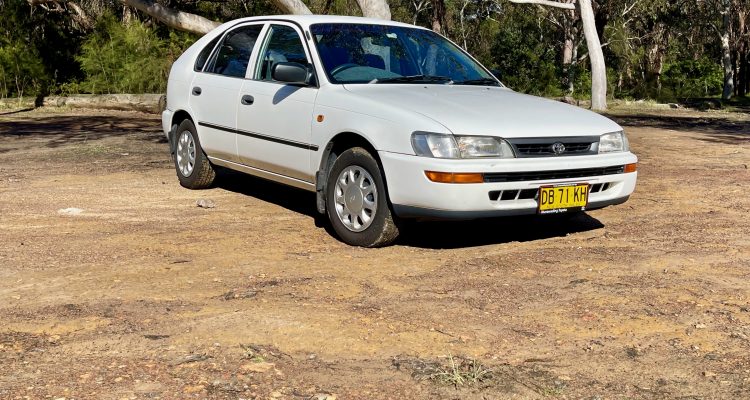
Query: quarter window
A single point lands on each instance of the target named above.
(283, 45)
(200, 62)
(234, 52)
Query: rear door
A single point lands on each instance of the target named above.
(215, 91)
(274, 121)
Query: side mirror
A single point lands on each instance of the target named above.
(291, 72)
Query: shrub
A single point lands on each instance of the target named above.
(693, 78)
(128, 58)
(21, 70)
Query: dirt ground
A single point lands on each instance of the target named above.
(141, 294)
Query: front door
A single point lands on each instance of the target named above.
(274, 119)
(215, 91)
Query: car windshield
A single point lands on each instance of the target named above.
(361, 53)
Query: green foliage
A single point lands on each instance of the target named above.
(693, 78)
(36, 50)
(21, 70)
(653, 49)
(128, 58)
(525, 57)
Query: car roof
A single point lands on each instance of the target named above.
(310, 19)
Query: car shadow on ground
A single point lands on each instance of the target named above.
(423, 234)
(460, 234)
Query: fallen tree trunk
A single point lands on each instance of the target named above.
(150, 103)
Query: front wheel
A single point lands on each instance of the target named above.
(357, 203)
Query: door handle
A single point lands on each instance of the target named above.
(197, 91)
(247, 100)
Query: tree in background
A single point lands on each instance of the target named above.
(585, 12)
(127, 58)
(662, 49)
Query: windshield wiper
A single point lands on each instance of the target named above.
(480, 81)
(414, 79)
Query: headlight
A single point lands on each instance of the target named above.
(613, 142)
(448, 146)
(434, 145)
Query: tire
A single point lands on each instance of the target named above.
(358, 208)
(191, 164)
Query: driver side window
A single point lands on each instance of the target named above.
(283, 45)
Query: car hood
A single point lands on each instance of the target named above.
(486, 111)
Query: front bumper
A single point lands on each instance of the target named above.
(414, 195)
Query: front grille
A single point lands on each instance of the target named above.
(531, 150)
(544, 147)
(496, 177)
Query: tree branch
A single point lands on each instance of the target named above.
(550, 3)
(79, 16)
(293, 7)
(173, 18)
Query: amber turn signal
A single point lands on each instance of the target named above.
(449, 177)
(631, 168)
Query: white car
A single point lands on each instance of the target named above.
(385, 121)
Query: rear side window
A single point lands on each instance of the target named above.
(234, 52)
(200, 62)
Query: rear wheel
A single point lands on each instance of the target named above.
(193, 168)
(357, 202)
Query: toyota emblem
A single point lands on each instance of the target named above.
(558, 148)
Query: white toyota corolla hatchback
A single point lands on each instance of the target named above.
(384, 121)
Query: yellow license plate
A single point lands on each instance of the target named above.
(556, 199)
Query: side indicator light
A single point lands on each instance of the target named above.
(631, 168)
(320, 118)
(450, 177)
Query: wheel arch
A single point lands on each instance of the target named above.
(177, 118)
(335, 146)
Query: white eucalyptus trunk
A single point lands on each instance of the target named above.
(726, 51)
(596, 57)
(375, 9)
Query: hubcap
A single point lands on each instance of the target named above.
(185, 153)
(356, 198)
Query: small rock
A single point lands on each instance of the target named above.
(700, 326)
(69, 211)
(194, 389)
(257, 367)
(709, 374)
(205, 203)
(323, 396)
(569, 100)
(276, 394)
